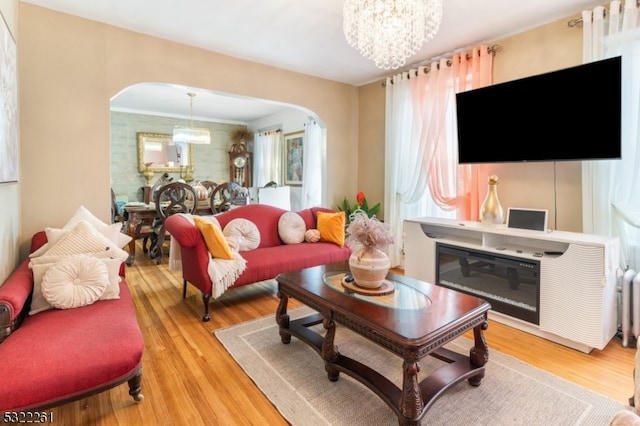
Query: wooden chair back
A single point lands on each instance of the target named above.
(172, 198)
(225, 195)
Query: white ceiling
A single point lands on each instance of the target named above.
(299, 35)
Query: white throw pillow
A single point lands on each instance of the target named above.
(83, 214)
(110, 231)
(291, 228)
(244, 232)
(41, 265)
(113, 289)
(76, 281)
(84, 238)
(38, 302)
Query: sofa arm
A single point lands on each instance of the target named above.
(15, 294)
(183, 230)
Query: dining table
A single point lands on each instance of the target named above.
(138, 214)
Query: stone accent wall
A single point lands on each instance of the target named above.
(211, 161)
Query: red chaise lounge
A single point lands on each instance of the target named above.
(62, 355)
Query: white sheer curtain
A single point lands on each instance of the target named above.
(398, 152)
(312, 155)
(610, 201)
(267, 158)
(422, 176)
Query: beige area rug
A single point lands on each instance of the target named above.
(512, 393)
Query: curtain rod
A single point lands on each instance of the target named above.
(578, 21)
(270, 129)
(493, 49)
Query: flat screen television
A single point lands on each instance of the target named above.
(567, 115)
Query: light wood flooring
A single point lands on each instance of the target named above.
(189, 378)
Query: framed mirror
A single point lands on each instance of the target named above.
(163, 154)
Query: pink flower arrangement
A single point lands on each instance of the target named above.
(368, 232)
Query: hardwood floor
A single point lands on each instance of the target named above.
(189, 378)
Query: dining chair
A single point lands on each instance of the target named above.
(172, 198)
(225, 195)
(209, 184)
(204, 207)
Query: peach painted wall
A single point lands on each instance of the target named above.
(371, 156)
(69, 69)
(556, 187)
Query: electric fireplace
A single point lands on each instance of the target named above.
(510, 284)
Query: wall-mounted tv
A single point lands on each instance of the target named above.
(566, 115)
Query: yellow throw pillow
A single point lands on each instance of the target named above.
(213, 238)
(331, 227)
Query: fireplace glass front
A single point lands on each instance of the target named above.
(510, 284)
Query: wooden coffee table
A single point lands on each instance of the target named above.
(414, 321)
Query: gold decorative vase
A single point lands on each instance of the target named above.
(369, 267)
(148, 173)
(187, 176)
(491, 212)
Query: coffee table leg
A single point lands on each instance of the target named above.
(479, 354)
(329, 351)
(282, 318)
(411, 403)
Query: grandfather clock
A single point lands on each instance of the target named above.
(240, 165)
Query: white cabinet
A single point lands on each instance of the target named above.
(577, 305)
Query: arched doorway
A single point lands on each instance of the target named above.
(158, 107)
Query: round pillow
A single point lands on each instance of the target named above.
(244, 232)
(75, 281)
(312, 236)
(291, 228)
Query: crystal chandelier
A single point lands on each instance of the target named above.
(191, 134)
(389, 31)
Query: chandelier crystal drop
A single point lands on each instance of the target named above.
(195, 135)
(390, 31)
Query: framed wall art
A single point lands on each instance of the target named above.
(8, 107)
(293, 167)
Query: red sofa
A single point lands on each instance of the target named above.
(270, 258)
(62, 355)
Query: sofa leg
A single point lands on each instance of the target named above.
(184, 289)
(205, 299)
(135, 387)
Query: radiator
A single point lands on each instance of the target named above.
(630, 309)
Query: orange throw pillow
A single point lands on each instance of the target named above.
(214, 239)
(331, 227)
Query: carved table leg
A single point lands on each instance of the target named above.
(157, 245)
(479, 354)
(329, 350)
(282, 318)
(411, 403)
(131, 231)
